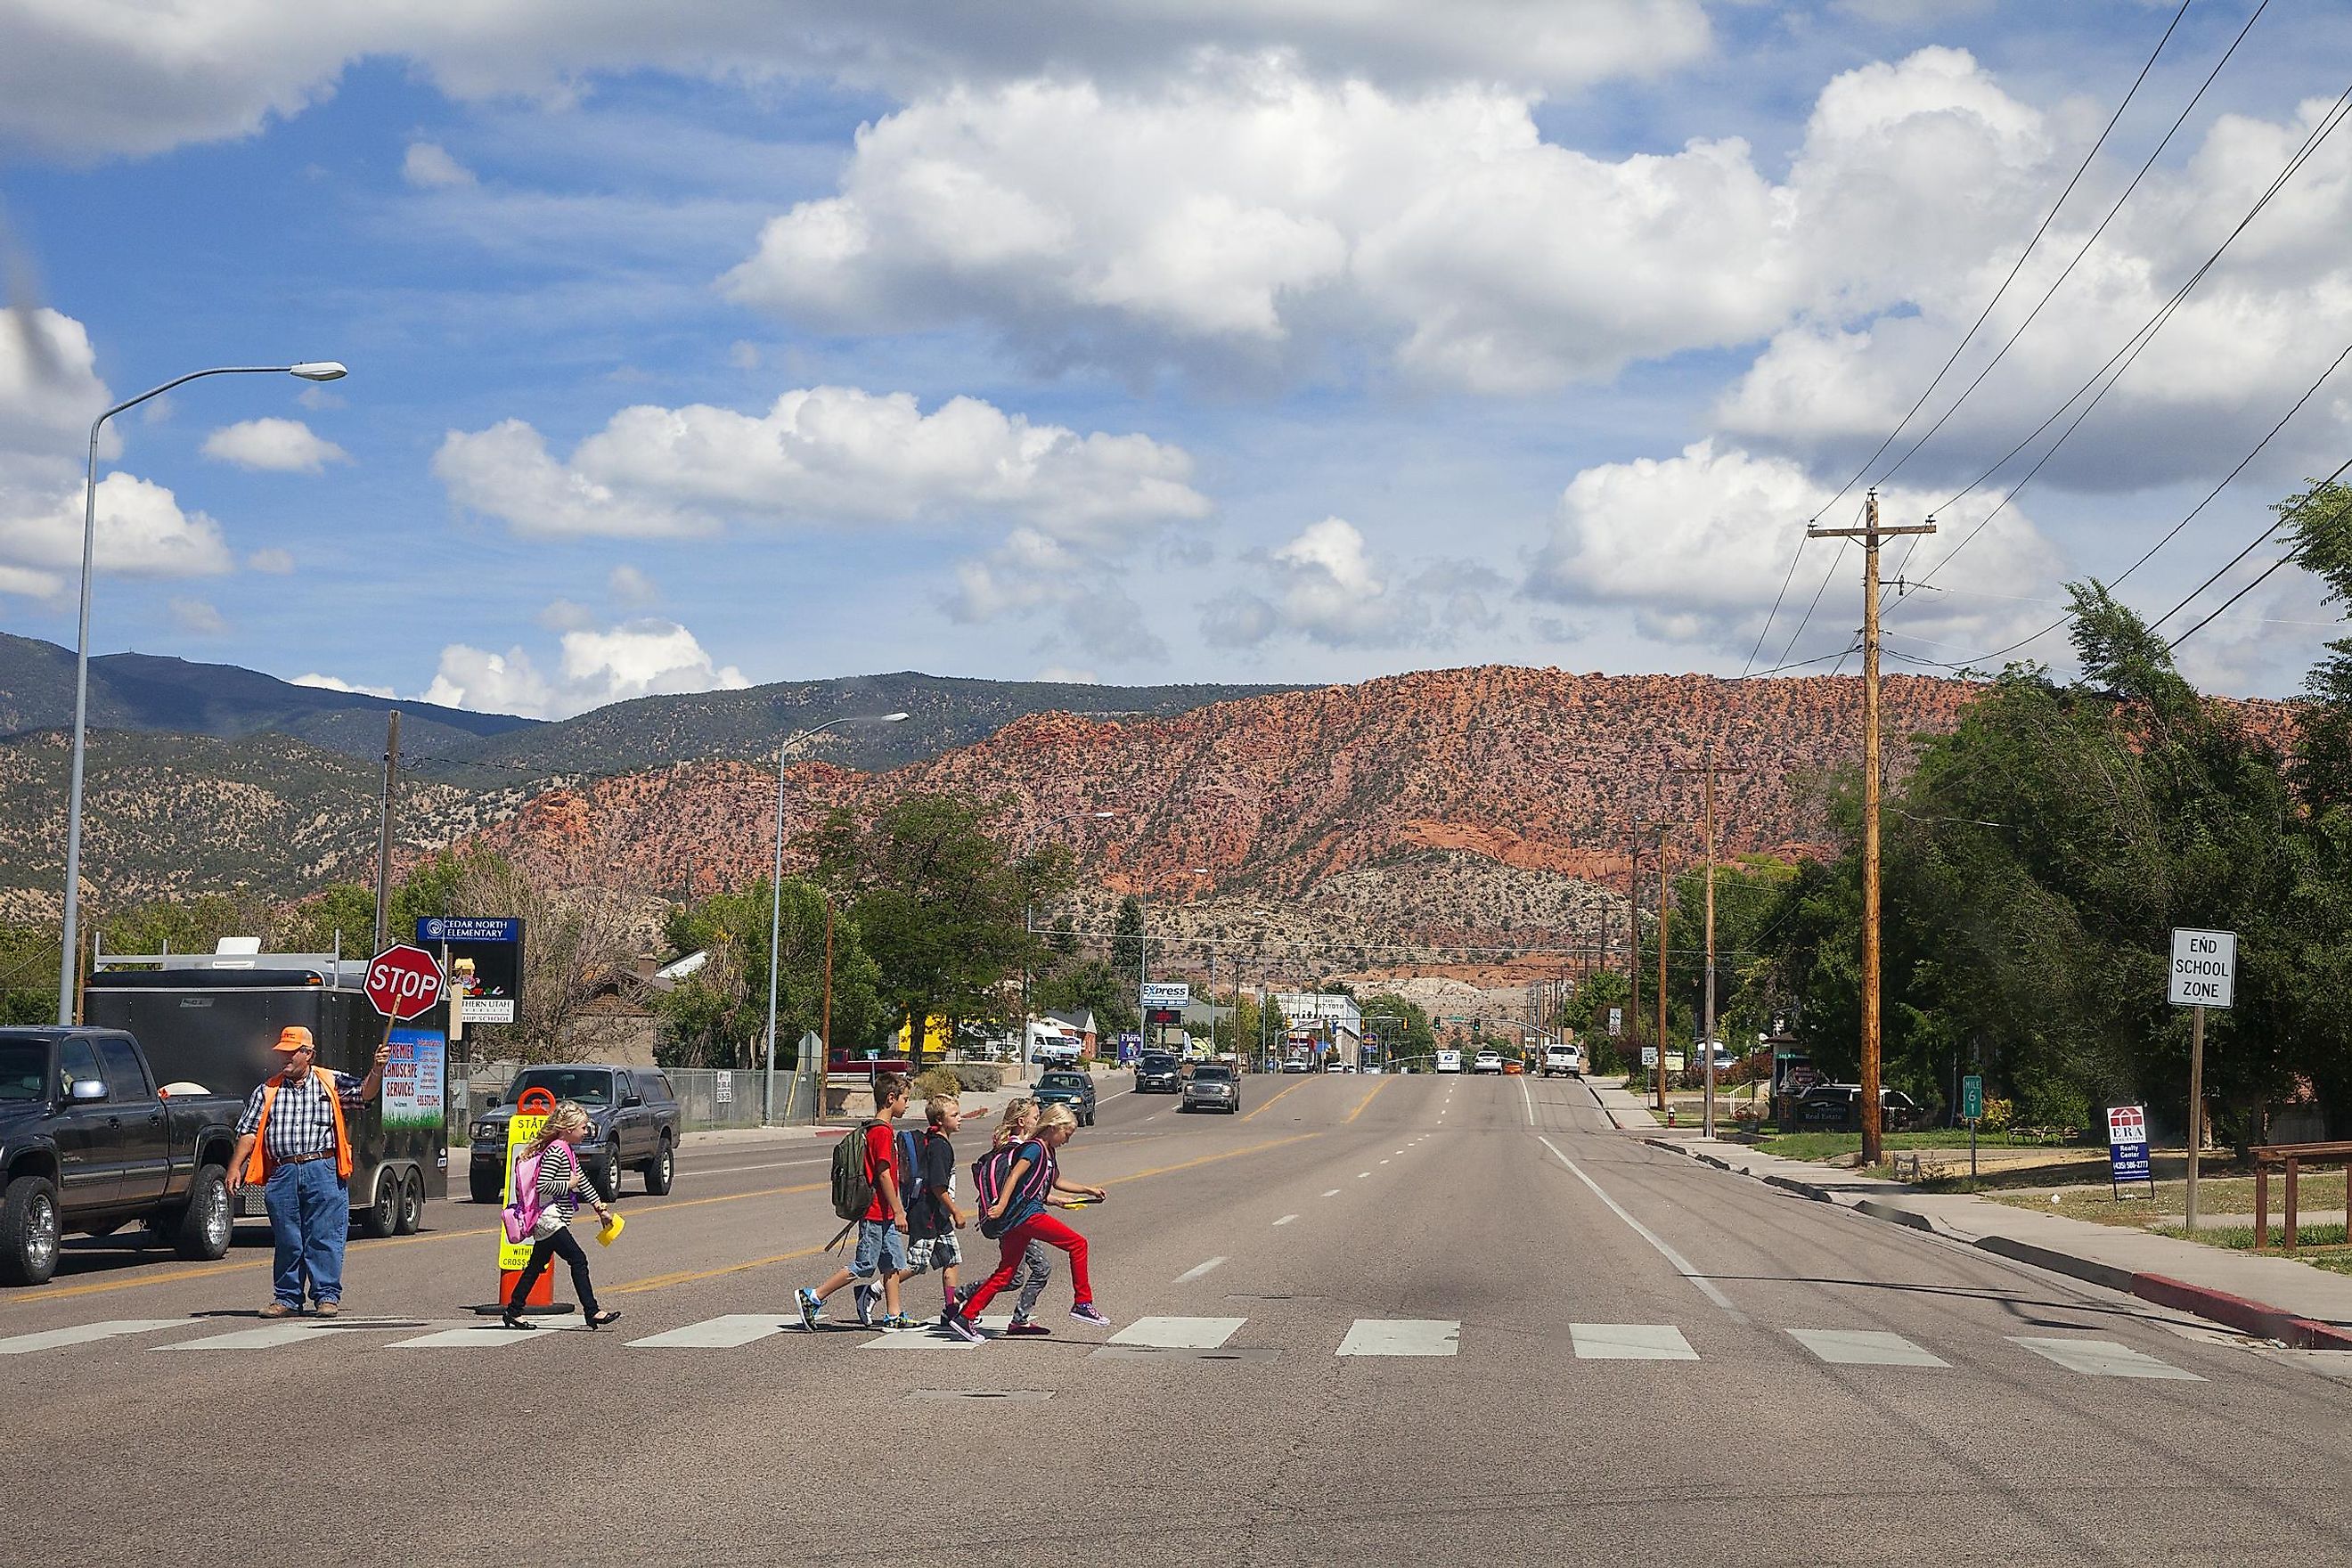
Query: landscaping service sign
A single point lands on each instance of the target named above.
(412, 1079)
(485, 963)
(2127, 1144)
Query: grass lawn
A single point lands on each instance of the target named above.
(2215, 1195)
(1830, 1145)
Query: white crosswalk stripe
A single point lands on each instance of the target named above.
(85, 1333)
(933, 1338)
(1863, 1347)
(1401, 1337)
(480, 1336)
(727, 1332)
(1629, 1342)
(261, 1339)
(2103, 1358)
(1179, 1334)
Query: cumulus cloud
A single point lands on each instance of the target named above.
(336, 683)
(1068, 595)
(198, 618)
(637, 658)
(141, 532)
(825, 454)
(108, 77)
(50, 388)
(275, 445)
(1696, 546)
(1324, 587)
(429, 166)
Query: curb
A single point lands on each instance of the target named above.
(2241, 1313)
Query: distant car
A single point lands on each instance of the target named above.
(1336, 1065)
(1373, 1069)
(1211, 1087)
(1075, 1089)
(1837, 1106)
(633, 1121)
(1514, 1066)
(1488, 1061)
(1157, 1072)
(1563, 1058)
(1294, 1064)
(1449, 1061)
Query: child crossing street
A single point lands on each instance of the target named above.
(936, 1217)
(1018, 1126)
(880, 1259)
(1013, 1209)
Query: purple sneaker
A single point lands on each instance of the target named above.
(964, 1329)
(1085, 1313)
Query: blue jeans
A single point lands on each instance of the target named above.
(310, 1214)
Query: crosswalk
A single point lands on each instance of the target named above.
(1146, 1338)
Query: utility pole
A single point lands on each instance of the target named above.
(1708, 767)
(1660, 1080)
(1634, 937)
(1874, 1143)
(383, 832)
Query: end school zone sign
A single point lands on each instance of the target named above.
(2204, 968)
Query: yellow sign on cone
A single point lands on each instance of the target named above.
(532, 1113)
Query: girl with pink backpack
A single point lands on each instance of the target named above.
(547, 1182)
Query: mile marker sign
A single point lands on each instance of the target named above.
(2204, 968)
(404, 982)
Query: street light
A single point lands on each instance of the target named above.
(310, 370)
(776, 891)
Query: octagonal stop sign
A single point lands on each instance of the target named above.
(404, 981)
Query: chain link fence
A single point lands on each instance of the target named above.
(708, 1098)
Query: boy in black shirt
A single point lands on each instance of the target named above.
(935, 1217)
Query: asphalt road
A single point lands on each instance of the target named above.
(1401, 1320)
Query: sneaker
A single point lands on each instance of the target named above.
(810, 1307)
(1085, 1313)
(901, 1324)
(1028, 1330)
(962, 1328)
(865, 1295)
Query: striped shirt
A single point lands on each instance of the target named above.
(301, 1122)
(559, 1170)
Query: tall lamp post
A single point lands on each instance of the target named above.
(69, 949)
(776, 891)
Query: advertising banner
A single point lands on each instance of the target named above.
(1167, 994)
(485, 963)
(2127, 1143)
(413, 1094)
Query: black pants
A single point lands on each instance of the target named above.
(545, 1248)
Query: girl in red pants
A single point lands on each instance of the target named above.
(1029, 1222)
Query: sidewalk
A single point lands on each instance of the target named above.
(977, 1104)
(2273, 1297)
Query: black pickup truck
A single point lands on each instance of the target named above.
(90, 1143)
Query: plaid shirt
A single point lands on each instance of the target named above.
(300, 1122)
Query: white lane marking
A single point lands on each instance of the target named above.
(717, 1333)
(2105, 1358)
(1362, 1175)
(1179, 1334)
(1681, 1265)
(1531, 1102)
(1402, 1336)
(483, 1338)
(1629, 1342)
(253, 1338)
(1384, 1162)
(54, 1339)
(1286, 1220)
(1863, 1347)
(1197, 1270)
(1332, 1194)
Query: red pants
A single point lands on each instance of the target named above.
(1042, 1227)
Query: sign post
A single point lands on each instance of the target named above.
(1972, 1112)
(2204, 974)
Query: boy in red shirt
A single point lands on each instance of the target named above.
(882, 1234)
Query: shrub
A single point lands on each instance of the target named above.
(1998, 1114)
(976, 1078)
(935, 1083)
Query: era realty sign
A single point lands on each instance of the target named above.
(2204, 968)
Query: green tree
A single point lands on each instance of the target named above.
(718, 1017)
(1413, 1038)
(1128, 936)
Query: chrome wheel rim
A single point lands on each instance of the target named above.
(216, 1217)
(41, 1235)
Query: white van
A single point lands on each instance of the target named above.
(1449, 1061)
(1564, 1058)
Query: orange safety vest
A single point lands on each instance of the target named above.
(254, 1171)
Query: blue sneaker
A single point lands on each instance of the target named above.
(865, 1295)
(1085, 1313)
(810, 1307)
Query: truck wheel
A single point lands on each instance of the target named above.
(379, 1217)
(484, 1192)
(28, 1231)
(205, 1224)
(663, 1170)
(411, 1205)
(610, 1185)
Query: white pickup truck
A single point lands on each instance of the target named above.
(1564, 1058)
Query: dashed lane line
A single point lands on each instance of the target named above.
(1286, 1220)
(1197, 1271)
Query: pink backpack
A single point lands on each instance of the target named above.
(521, 1217)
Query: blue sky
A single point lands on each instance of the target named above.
(741, 342)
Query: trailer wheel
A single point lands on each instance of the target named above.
(662, 1171)
(411, 1205)
(28, 1231)
(382, 1215)
(206, 1226)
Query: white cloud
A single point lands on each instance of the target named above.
(1062, 673)
(566, 615)
(1069, 596)
(429, 166)
(118, 76)
(1323, 586)
(637, 658)
(1697, 544)
(743, 354)
(141, 532)
(628, 586)
(50, 388)
(336, 683)
(274, 561)
(198, 617)
(826, 453)
(274, 445)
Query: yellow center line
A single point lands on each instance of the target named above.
(687, 1277)
(1212, 1159)
(1367, 1099)
(1302, 1083)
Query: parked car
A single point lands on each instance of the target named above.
(1567, 1059)
(88, 1143)
(1837, 1107)
(1157, 1072)
(1211, 1087)
(1488, 1061)
(1075, 1089)
(633, 1121)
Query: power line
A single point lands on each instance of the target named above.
(1785, 579)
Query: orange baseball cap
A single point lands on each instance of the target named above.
(293, 1037)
